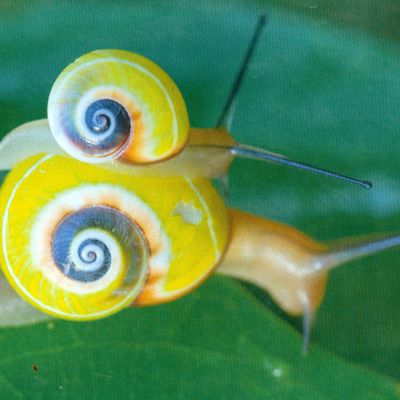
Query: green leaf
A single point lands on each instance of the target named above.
(217, 343)
(320, 91)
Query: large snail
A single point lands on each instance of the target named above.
(109, 201)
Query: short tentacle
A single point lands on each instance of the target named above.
(308, 318)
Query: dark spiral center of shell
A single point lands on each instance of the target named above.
(91, 258)
(109, 127)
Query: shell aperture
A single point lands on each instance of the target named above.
(112, 103)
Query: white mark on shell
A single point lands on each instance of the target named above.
(189, 213)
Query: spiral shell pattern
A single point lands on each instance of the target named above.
(112, 104)
(81, 242)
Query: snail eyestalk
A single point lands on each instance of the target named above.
(357, 248)
(240, 150)
(225, 119)
(244, 151)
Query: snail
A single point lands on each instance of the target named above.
(109, 202)
(122, 111)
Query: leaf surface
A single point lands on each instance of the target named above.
(319, 91)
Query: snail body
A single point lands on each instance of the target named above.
(197, 159)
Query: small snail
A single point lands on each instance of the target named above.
(109, 202)
(121, 111)
(114, 104)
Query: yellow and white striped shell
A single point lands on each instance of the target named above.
(112, 104)
(81, 242)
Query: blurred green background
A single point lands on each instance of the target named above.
(323, 87)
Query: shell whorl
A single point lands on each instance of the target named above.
(112, 104)
(86, 260)
(96, 245)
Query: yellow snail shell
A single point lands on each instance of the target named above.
(80, 242)
(115, 104)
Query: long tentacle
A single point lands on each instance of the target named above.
(226, 117)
